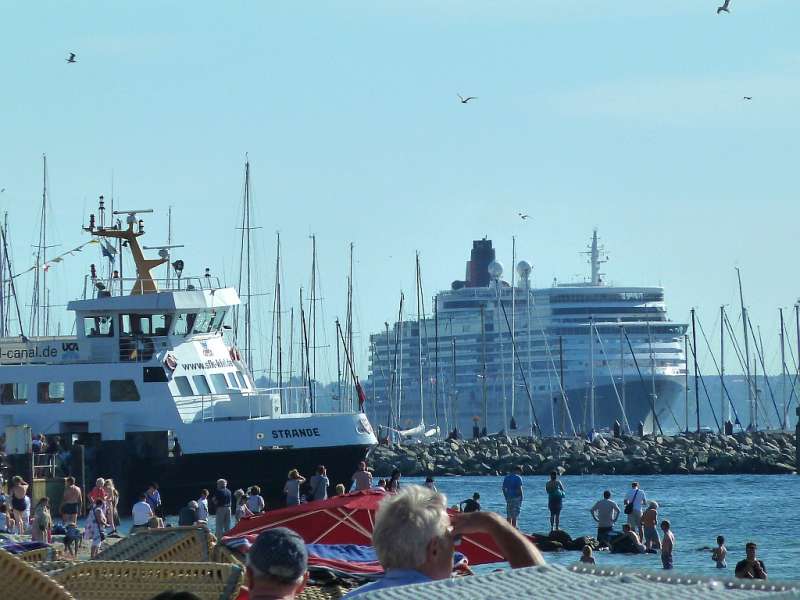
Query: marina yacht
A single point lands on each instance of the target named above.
(153, 392)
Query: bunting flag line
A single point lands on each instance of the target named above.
(56, 259)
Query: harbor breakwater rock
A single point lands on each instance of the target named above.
(704, 453)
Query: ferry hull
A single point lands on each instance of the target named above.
(180, 479)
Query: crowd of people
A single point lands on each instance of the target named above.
(640, 532)
(414, 536)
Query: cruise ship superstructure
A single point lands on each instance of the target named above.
(582, 356)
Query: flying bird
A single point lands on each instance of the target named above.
(467, 99)
(71, 58)
(747, 97)
(523, 216)
(724, 7)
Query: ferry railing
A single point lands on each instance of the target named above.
(121, 286)
(242, 404)
(44, 466)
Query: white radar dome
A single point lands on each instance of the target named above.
(496, 269)
(524, 269)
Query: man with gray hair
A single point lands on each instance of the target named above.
(277, 565)
(415, 538)
(222, 500)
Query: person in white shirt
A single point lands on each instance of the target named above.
(202, 507)
(142, 512)
(637, 501)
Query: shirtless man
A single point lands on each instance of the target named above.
(667, 545)
(71, 502)
(18, 491)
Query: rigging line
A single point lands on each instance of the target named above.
(793, 395)
(722, 379)
(560, 383)
(641, 378)
(760, 355)
(705, 390)
(746, 371)
(611, 376)
(519, 364)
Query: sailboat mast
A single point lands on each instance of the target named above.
(513, 424)
(750, 402)
(400, 367)
(278, 341)
(483, 364)
(244, 271)
(419, 347)
(686, 382)
(313, 309)
(591, 374)
(696, 374)
(723, 402)
(783, 373)
(349, 349)
(436, 364)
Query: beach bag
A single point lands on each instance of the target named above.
(629, 506)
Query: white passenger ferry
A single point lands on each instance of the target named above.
(151, 364)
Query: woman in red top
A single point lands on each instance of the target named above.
(99, 493)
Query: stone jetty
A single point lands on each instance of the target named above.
(704, 453)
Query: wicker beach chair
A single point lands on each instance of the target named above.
(170, 544)
(38, 555)
(129, 580)
(325, 592)
(21, 581)
(222, 554)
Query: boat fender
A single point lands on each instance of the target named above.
(170, 362)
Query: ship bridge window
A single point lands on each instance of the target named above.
(208, 322)
(13, 393)
(184, 323)
(99, 326)
(183, 385)
(86, 391)
(150, 325)
(220, 384)
(50, 392)
(124, 390)
(201, 383)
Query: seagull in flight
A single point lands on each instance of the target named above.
(71, 58)
(523, 216)
(467, 99)
(747, 97)
(724, 7)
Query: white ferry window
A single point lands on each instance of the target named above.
(220, 384)
(132, 324)
(86, 391)
(219, 319)
(159, 324)
(203, 322)
(232, 382)
(201, 383)
(184, 323)
(242, 381)
(184, 388)
(50, 392)
(124, 390)
(98, 326)
(13, 393)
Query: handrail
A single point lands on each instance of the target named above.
(242, 404)
(118, 285)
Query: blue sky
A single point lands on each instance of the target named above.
(623, 115)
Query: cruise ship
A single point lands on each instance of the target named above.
(582, 357)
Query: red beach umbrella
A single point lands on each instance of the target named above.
(347, 519)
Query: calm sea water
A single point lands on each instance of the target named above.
(762, 508)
